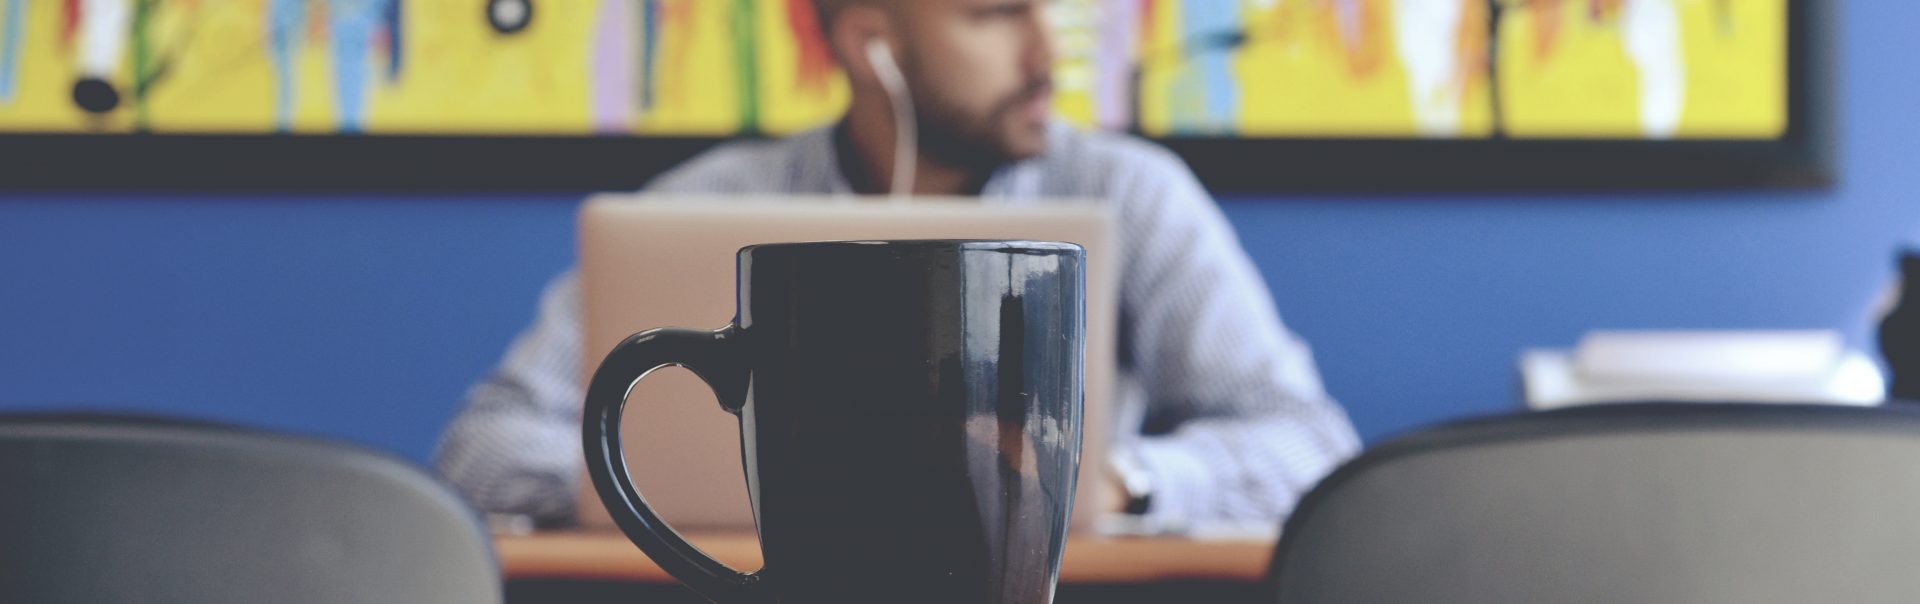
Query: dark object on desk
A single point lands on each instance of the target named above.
(108, 510)
(1690, 503)
(1900, 333)
(910, 415)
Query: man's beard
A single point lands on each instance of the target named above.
(947, 136)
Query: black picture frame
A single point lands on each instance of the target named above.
(1803, 158)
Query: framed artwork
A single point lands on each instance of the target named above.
(1265, 95)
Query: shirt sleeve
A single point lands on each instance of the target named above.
(514, 448)
(1242, 426)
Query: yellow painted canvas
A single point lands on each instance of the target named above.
(1644, 68)
(1243, 68)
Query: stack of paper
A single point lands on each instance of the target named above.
(1702, 366)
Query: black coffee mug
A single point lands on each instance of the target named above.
(909, 415)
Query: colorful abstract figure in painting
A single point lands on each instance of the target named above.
(1247, 68)
(352, 28)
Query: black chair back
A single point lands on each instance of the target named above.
(1641, 503)
(107, 510)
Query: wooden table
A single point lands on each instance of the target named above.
(607, 556)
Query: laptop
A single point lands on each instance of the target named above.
(649, 261)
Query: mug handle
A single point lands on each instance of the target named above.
(712, 355)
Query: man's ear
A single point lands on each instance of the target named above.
(851, 31)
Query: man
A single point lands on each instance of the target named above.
(1231, 418)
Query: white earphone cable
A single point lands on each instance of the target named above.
(906, 146)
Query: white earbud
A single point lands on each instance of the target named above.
(906, 146)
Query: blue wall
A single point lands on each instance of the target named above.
(365, 318)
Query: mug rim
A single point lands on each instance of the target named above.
(1013, 245)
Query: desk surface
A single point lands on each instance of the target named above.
(606, 556)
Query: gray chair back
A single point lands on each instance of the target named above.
(1640, 503)
(106, 510)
